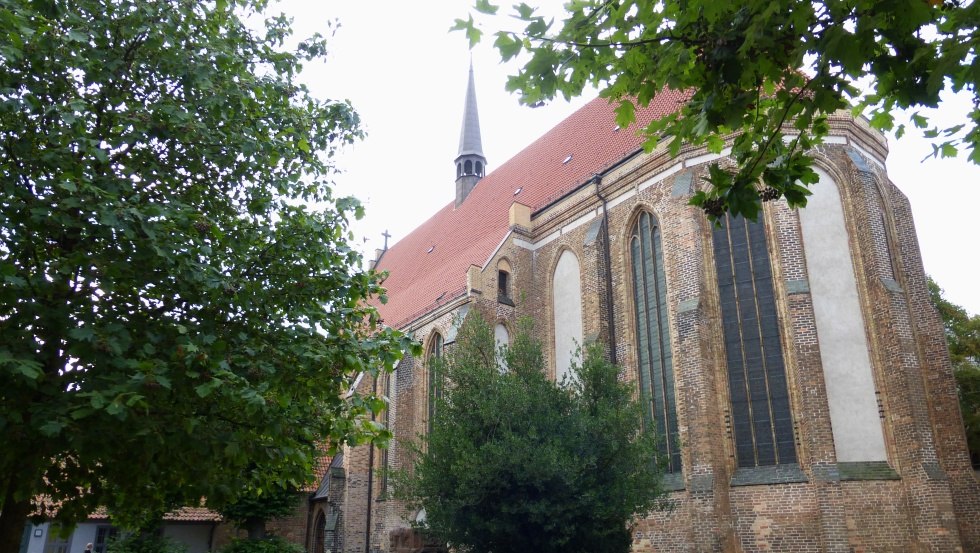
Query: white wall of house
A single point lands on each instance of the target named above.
(37, 537)
(195, 535)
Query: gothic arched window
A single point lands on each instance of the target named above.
(433, 361)
(844, 348)
(501, 338)
(761, 421)
(319, 534)
(566, 289)
(655, 364)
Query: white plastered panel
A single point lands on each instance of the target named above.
(567, 297)
(840, 327)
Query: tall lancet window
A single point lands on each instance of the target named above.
(654, 358)
(761, 419)
(566, 289)
(844, 348)
(433, 361)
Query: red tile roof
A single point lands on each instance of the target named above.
(184, 514)
(319, 471)
(421, 279)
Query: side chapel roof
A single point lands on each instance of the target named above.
(428, 267)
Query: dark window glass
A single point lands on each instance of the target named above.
(435, 365)
(479, 169)
(655, 361)
(761, 420)
(387, 421)
(503, 284)
(56, 543)
(103, 535)
(468, 167)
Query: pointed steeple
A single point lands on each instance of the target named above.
(470, 162)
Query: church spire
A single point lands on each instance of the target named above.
(470, 162)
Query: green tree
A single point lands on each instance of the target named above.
(273, 544)
(963, 338)
(145, 542)
(760, 68)
(176, 319)
(251, 510)
(517, 463)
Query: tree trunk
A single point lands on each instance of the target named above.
(12, 520)
(255, 528)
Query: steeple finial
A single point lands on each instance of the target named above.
(470, 142)
(470, 161)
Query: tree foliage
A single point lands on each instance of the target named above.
(251, 510)
(274, 544)
(517, 463)
(963, 338)
(147, 542)
(763, 69)
(176, 318)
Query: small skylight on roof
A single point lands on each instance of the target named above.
(567, 159)
(616, 128)
(432, 247)
(518, 191)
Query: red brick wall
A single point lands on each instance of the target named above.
(934, 505)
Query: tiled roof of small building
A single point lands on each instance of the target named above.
(184, 514)
(428, 267)
(319, 471)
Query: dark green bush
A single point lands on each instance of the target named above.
(273, 544)
(145, 543)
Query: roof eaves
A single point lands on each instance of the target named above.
(496, 250)
(432, 312)
(603, 171)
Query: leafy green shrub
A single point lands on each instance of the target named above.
(517, 463)
(145, 543)
(273, 544)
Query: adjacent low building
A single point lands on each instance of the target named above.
(195, 527)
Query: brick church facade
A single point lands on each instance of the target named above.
(794, 366)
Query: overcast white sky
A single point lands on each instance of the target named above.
(406, 75)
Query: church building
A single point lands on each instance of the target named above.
(794, 366)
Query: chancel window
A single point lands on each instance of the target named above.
(434, 363)
(761, 421)
(654, 358)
